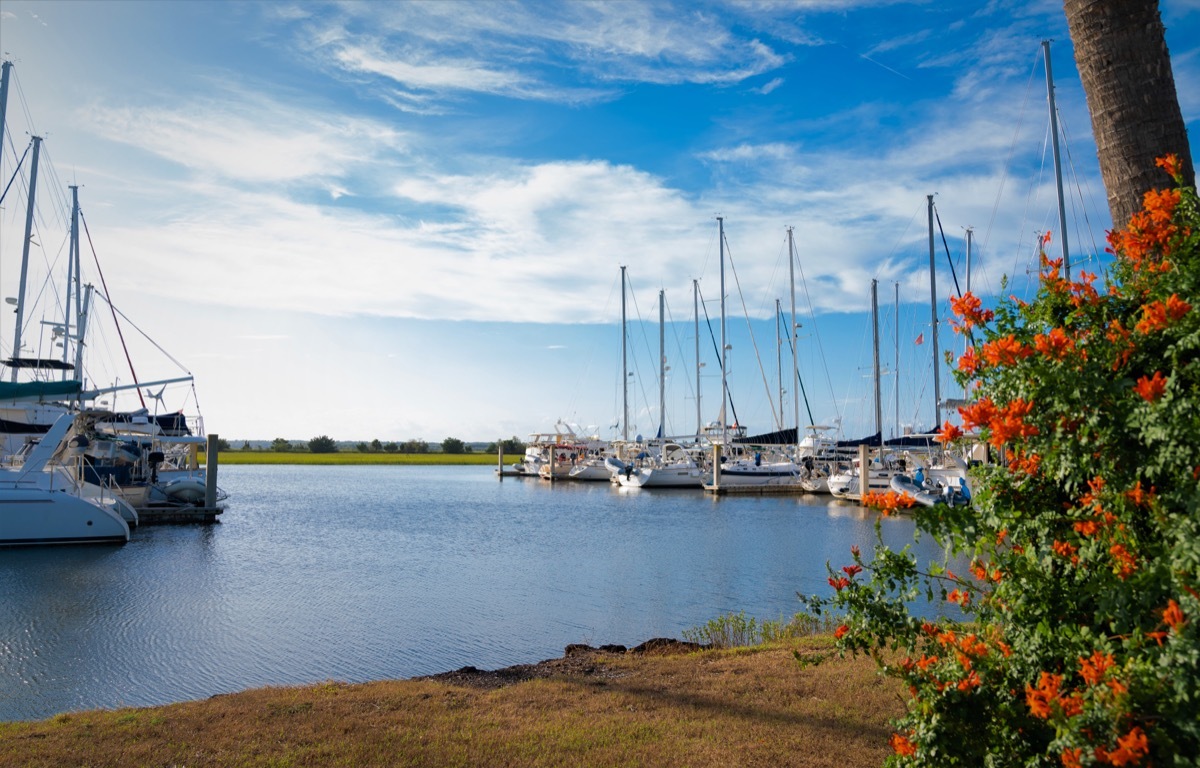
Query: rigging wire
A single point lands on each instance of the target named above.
(145, 336)
(717, 352)
(750, 330)
(1011, 150)
(108, 300)
(1091, 233)
(16, 170)
(946, 246)
(820, 346)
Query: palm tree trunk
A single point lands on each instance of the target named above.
(1123, 62)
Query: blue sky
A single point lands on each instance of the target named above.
(407, 220)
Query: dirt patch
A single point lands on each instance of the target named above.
(578, 660)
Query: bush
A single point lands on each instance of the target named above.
(1084, 543)
(322, 444)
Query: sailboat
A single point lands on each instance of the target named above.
(663, 462)
(39, 505)
(732, 465)
(158, 449)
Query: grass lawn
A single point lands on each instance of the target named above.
(740, 707)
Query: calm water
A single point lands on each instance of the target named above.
(364, 573)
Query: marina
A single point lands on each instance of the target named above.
(358, 573)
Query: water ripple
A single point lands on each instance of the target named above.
(360, 573)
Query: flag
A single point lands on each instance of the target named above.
(920, 339)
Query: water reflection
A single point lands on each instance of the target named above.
(358, 573)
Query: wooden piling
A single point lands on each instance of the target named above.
(210, 473)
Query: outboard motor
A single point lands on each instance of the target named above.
(154, 459)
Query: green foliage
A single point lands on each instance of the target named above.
(390, 447)
(1084, 543)
(322, 444)
(280, 445)
(452, 445)
(414, 446)
(223, 444)
(512, 446)
(376, 446)
(735, 630)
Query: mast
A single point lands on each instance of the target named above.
(1062, 211)
(81, 330)
(792, 335)
(779, 360)
(662, 366)
(937, 386)
(16, 350)
(875, 337)
(724, 345)
(970, 232)
(624, 367)
(72, 276)
(896, 335)
(696, 315)
(4, 70)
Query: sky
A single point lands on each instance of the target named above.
(408, 220)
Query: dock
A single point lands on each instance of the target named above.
(778, 489)
(173, 514)
(207, 512)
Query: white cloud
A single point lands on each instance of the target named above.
(247, 137)
(772, 85)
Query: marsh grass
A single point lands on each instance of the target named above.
(734, 630)
(745, 707)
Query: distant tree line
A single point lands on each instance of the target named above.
(511, 446)
(326, 444)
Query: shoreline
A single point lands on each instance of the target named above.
(347, 458)
(662, 703)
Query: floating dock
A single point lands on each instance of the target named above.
(171, 514)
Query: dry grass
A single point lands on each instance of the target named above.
(743, 707)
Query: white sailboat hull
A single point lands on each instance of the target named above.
(35, 516)
(663, 477)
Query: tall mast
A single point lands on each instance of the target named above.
(875, 337)
(896, 383)
(1062, 210)
(624, 367)
(16, 350)
(662, 366)
(696, 315)
(779, 360)
(4, 69)
(724, 346)
(970, 232)
(792, 335)
(81, 331)
(72, 277)
(937, 386)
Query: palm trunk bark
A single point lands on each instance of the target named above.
(1123, 62)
